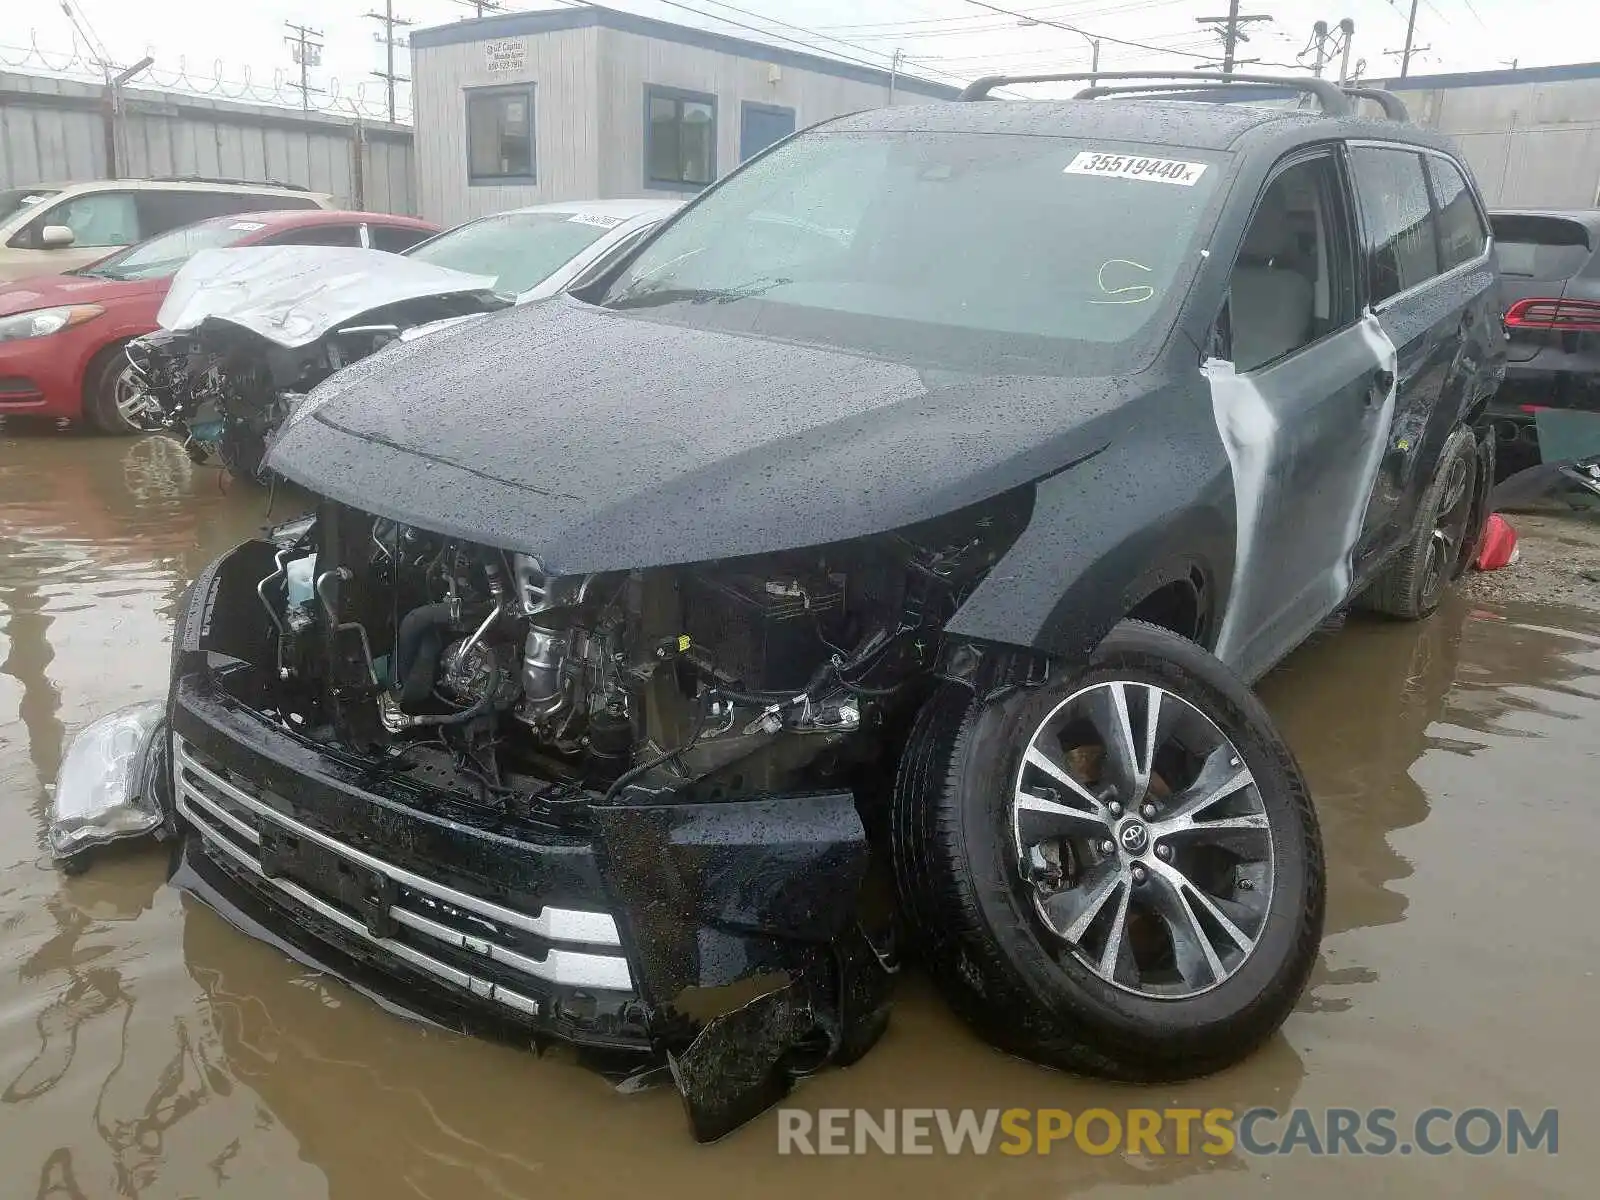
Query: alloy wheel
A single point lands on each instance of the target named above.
(134, 404)
(1142, 836)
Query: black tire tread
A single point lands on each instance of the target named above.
(940, 906)
(1394, 593)
(99, 409)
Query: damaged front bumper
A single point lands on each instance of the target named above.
(724, 939)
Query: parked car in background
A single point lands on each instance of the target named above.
(53, 227)
(231, 362)
(62, 336)
(539, 251)
(1550, 296)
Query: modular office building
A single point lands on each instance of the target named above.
(586, 103)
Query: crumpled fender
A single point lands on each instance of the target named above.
(1097, 542)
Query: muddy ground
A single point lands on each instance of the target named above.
(146, 1049)
(1559, 563)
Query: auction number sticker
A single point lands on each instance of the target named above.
(595, 219)
(1131, 166)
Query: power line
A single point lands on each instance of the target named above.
(389, 21)
(904, 28)
(767, 33)
(1027, 17)
(482, 6)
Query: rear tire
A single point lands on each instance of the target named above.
(1414, 584)
(959, 858)
(112, 394)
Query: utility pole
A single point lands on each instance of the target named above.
(894, 72)
(1324, 44)
(482, 6)
(1411, 37)
(389, 21)
(1348, 28)
(1320, 53)
(307, 52)
(1231, 31)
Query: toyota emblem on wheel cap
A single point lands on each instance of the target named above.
(1133, 837)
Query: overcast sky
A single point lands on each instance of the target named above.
(940, 38)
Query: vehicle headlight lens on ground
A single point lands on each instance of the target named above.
(42, 322)
(102, 789)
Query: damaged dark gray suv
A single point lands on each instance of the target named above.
(912, 508)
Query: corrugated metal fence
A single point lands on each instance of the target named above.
(56, 129)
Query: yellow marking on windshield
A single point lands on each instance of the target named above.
(1144, 290)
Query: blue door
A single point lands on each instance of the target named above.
(761, 125)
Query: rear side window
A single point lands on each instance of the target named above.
(318, 235)
(1462, 235)
(395, 238)
(1402, 245)
(1539, 247)
(161, 210)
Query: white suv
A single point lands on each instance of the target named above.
(48, 228)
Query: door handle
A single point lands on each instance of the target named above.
(1378, 390)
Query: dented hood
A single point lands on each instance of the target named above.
(601, 440)
(292, 295)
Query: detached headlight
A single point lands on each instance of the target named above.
(106, 788)
(42, 322)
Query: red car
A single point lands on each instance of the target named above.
(61, 336)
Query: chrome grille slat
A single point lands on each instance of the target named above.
(191, 792)
(485, 988)
(554, 924)
(573, 969)
(567, 967)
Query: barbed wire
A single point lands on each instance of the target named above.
(283, 91)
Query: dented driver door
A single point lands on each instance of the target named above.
(1303, 406)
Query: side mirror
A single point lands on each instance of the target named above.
(56, 237)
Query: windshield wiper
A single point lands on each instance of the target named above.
(683, 295)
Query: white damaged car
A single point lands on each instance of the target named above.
(246, 332)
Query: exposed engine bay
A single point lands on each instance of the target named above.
(477, 669)
(225, 389)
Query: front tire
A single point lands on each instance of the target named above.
(1137, 903)
(114, 399)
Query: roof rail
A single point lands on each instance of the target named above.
(1393, 107)
(273, 183)
(1334, 101)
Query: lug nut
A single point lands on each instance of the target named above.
(1108, 847)
(1114, 809)
(1139, 873)
(1149, 811)
(1164, 853)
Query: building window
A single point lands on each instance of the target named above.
(680, 139)
(500, 135)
